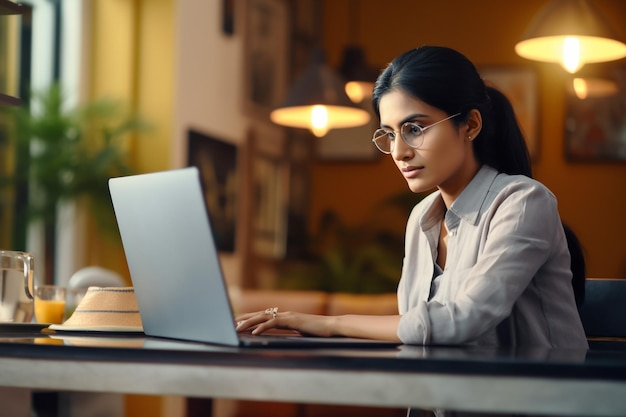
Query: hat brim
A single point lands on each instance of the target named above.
(120, 329)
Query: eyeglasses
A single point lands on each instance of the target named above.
(412, 134)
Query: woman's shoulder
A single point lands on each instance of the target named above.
(522, 194)
(518, 183)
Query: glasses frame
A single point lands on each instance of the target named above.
(399, 132)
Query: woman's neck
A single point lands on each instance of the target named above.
(452, 188)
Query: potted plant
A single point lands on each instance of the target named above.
(361, 259)
(63, 155)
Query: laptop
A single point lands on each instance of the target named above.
(175, 268)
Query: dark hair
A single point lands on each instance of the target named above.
(577, 264)
(446, 79)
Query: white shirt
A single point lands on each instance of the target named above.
(507, 261)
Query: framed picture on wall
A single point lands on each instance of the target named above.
(217, 162)
(595, 127)
(519, 85)
(300, 150)
(268, 180)
(270, 205)
(266, 52)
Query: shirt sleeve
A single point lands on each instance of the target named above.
(515, 236)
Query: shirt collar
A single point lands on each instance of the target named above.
(468, 204)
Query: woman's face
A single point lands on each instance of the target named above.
(444, 160)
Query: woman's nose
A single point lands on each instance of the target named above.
(401, 150)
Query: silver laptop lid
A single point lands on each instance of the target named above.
(171, 255)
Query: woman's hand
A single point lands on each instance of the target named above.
(305, 324)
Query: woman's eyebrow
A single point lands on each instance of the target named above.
(409, 118)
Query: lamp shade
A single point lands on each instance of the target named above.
(570, 32)
(317, 101)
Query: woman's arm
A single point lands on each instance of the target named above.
(350, 325)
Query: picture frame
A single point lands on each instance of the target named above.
(300, 156)
(520, 86)
(266, 53)
(268, 179)
(217, 162)
(595, 127)
(269, 202)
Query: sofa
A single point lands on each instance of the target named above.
(313, 302)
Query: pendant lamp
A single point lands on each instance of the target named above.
(572, 33)
(317, 101)
(593, 87)
(359, 76)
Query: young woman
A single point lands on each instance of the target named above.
(486, 260)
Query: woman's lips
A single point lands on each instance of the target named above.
(411, 172)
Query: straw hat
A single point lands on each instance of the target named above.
(112, 309)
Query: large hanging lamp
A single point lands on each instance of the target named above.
(572, 33)
(317, 101)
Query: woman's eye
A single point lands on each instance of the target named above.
(391, 135)
(413, 129)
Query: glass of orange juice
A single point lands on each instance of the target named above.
(50, 304)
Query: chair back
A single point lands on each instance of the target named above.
(603, 313)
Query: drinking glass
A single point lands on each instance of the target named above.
(50, 304)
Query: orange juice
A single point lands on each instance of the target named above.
(49, 311)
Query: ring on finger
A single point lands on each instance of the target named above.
(273, 311)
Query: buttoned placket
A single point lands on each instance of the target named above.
(452, 224)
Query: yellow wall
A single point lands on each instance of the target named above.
(592, 196)
(131, 59)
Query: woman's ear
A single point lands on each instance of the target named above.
(474, 125)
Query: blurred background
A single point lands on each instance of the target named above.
(193, 82)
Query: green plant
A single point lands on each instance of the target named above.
(366, 258)
(347, 259)
(65, 154)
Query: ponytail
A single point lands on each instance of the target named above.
(501, 144)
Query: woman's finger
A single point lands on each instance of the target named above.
(251, 321)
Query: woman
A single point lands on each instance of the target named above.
(486, 259)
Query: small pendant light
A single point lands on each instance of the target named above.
(359, 76)
(317, 101)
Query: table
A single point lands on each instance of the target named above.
(560, 382)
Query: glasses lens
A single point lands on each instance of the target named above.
(382, 140)
(412, 134)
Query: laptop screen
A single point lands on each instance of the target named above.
(172, 258)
